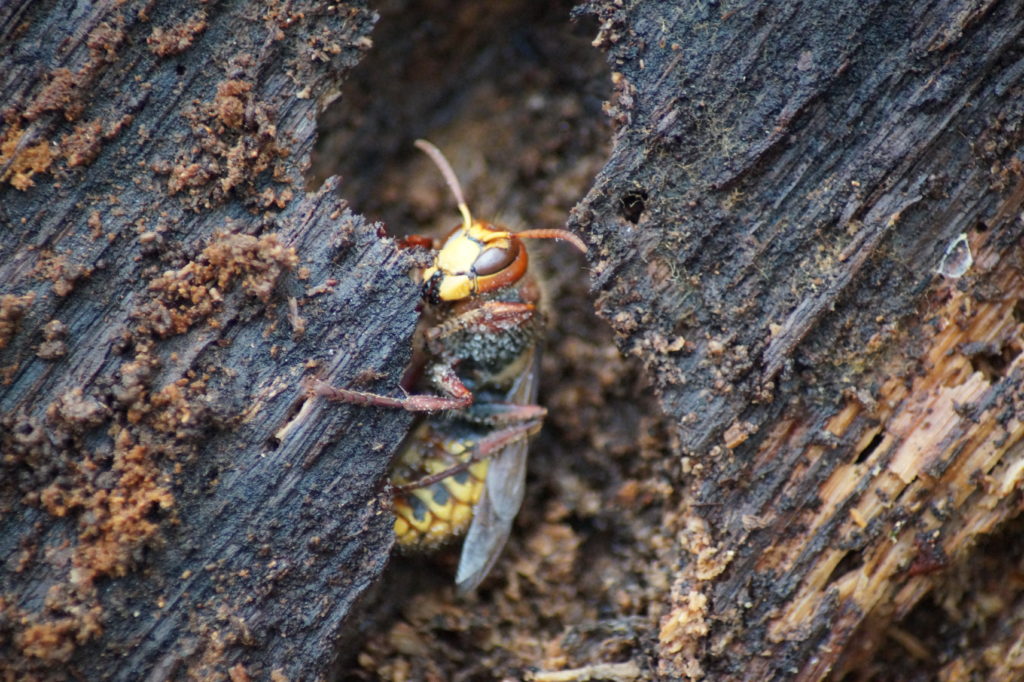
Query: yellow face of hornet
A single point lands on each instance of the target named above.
(475, 258)
(478, 257)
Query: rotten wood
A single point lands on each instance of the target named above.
(172, 503)
(785, 181)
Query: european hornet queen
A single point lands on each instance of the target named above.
(463, 465)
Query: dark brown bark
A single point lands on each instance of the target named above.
(784, 182)
(171, 504)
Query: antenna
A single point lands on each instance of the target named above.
(453, 183)
(449, 176)
(564, 235)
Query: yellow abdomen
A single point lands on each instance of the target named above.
(431, 515)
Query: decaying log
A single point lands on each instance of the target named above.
(774, 237)
(172, 505)
(786, 181)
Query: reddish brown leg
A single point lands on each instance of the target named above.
(499, 414)
(486, 318)
(459, 397)
(488, 446)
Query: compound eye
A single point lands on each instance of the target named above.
(494, 259)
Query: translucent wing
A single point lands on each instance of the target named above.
(505, 489)
(502, 496)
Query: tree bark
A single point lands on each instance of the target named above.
(786, 181)
(173, 505)
(773, 236)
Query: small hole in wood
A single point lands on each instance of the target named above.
(870, 448)
(274, 441)
(632, 205)
(988, 358)
(849, 563)
(1018, 311)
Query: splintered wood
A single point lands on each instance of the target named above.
(930, 462)
(941, 467)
